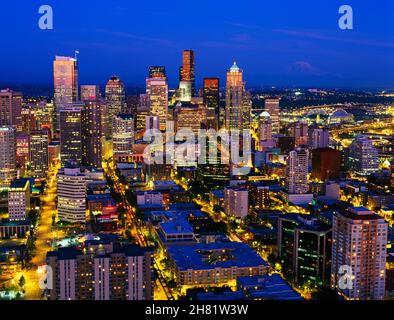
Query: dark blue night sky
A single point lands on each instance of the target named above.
(281, 42)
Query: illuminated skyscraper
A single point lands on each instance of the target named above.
(39, 158)
(22, 149)
(272, 107)
(297, 171)
(318, 138)
(71, 135)
(157, 94)
(92, 132)
(7, 154)
(212, 101)
(65, 74)
(265, 126)
(299, 130)
(11, 108)
(363, 156)
(115, 97)
(189, 116)
(123, 136)
(238, 103)
(187, 70)
(359, 248)
(71, 193)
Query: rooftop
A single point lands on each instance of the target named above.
(203, 256)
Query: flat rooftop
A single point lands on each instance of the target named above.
(205, 256)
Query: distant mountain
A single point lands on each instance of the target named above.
(36, 90)
(28, 89)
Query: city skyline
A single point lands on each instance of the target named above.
(294, 46)
(195, 186)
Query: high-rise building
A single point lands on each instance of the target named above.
(71, 195)
(272, 107)
(103, 270)
(115, 97)
(187, 71)
(359, 254)
(22, 149)
(90, 92)
(236, 202)
(184, 91)
(19, 199)
(11, 109)
(93, 133)
(318, 138)
(71, 135)
(189, 116)
(304, 247)
(39, 158)
(297, 171)
(299, 130)
(65, 77)
(132, 105)
(259, 196)
(157, 94)
(363, 156)
(265, 126)
(7, 154)
(238, 103)
(326, 164)
(123, 136)
(212, 102)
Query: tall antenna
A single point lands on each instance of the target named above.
(75, 54)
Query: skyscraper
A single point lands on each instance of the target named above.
(115, 97)
(92, 132)
(123, 136)
(326, 164)
(363, 156)
(297, 171)
(11, 108)
(265, 126)
(236, 202)
(65, 74)
(7, 154)
(189, 116)
(71, 194)
(39, 158)
(358, 269)
(212, 102)
(71, 135)
(157, 94)
(65, 71)
(22, 149)
(272, 107)
(304, 247)
(299, 130)
(318, 138)
(238, 103)
(19, 199)
(187, 71)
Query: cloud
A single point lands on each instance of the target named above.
(128, 35)
(322, 36)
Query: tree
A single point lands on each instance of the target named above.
(22, 281)
(325, 293)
